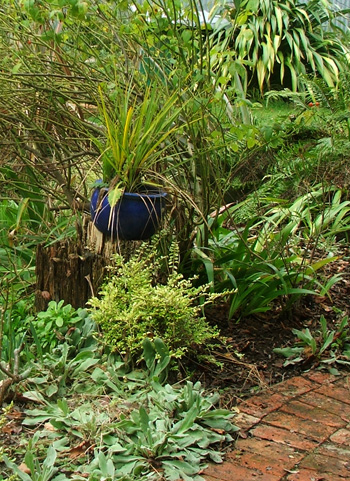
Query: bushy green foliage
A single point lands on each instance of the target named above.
(60, 322)
(133, 304)
(281, 41)
(273, 256)
(16, 246)
(128, 424)
(300, 144)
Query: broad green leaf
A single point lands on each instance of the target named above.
(186, 423)
(344, 323)
(102, 461)
(34, 396)
(223, 424)
(215, 456)
(175, 470)
(161, 348)
(98, 375)
(33, 421)
(288, 351)
(30, 462)
(292, 361)
(84, 366)
(22, 207)
(50, 459)
(304, 335)
(208, 264)
(51, 389)
(148, 353)
(22, 475)
(261, 73)
(63, 406)
(17, 67)
(319, 264)
(327, 342)
(114, 195)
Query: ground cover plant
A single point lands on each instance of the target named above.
(325, 346)
(142, 383)
(93, 416)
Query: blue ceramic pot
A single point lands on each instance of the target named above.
(134, 217)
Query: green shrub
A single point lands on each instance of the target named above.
(133, 305)
(62, 323)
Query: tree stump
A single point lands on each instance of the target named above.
(73, 269)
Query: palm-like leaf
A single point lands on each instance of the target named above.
(274, 38)
(137, 133)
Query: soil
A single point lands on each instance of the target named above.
(249, 363)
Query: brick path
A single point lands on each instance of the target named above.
(297, 431)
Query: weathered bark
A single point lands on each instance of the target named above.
(73, 269)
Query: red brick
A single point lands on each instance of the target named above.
(294, 386)
(275, 451)
(304, 425)
(342, 436)
(322, 464)
(306, 411)
(264, 464)
(316, 431)
(245, 421)
(280, 435)
(259, 406)
(336, 392)
(344, 382)
(334, 450)
(320, 377)
(235, 472)
(310, 475)
(328, 404)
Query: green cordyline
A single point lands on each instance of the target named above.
(137, 134)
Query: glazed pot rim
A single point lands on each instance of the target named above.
(153, 194)
(149, 191)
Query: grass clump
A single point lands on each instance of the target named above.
(134, 304)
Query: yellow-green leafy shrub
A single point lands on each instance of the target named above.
(132, 305)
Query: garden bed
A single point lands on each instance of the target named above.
(249, 363)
